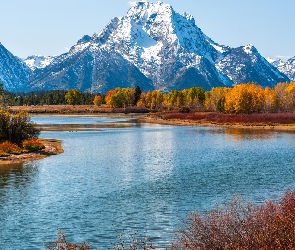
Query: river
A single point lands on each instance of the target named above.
(134, 177)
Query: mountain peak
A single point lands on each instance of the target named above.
(250, 48)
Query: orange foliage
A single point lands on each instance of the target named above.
(97, 100)
(9, 148)
(33, 144)
(245, 99)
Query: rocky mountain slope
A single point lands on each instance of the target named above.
(38, 62)
(14, 73)
(154, 47)
(287, 68)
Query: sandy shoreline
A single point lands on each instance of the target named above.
(52, 147)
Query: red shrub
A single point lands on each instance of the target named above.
(241, 226)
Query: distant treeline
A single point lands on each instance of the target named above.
(241, 99)
(52, 97)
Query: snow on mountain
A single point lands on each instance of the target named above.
(38, 62)
(165, 46)
(287, 68)
(14, 74)
(245, 64)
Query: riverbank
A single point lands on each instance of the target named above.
(52, 147)
(273, 121)
(269, 121)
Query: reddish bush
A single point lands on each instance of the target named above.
(241, 226)
(62, 244)
(255, 118)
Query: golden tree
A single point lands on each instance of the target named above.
(244, 99)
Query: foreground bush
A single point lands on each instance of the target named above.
(241, 226)
(33, 145)
(62, 244)
(16, 127)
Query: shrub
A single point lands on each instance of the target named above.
(16, 128)
(62, 244)
(33, 144)
(9, 148)
(241, 226)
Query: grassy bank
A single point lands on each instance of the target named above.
(52, 147)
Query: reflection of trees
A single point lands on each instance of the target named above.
(249, 134)
(18, 176)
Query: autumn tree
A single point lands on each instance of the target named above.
(120, 97)
(97, 100)
(16, 128)
(269, 100)
(215, 98)
(73, 97)
(281, 102)
(244, 99)
(174, 98)
(290, 96)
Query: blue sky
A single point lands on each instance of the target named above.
(50, 27)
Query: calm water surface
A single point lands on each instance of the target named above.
(142, 178)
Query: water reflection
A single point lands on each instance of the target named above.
(241, 134)
(17, 176)
(138, 179)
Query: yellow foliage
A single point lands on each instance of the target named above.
(244, 98)
(97, 100)
(215, 96)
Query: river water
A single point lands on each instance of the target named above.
(140, 178)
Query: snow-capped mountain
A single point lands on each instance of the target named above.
(245, 64)
(38, 62)
(162, 46)
(154, 47)
(288, 67)
(14, 74)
